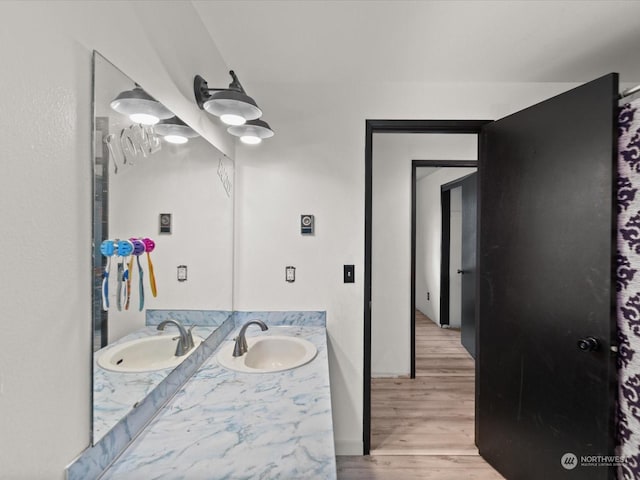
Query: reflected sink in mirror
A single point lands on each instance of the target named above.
(141, 178)
(268, 354)
(145, 354)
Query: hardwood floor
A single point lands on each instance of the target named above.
(432, 414)
(415, 467)
(423, 428)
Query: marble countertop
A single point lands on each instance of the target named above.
(115, 393)
(229, 425)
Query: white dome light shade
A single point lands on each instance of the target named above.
(144, 118)
(140, 107)
(230, 102)
(177, 139)
(252, 132)
(174, 130)
(250, 140)
(231, 119)
(174, 126)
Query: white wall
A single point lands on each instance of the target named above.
(45, 246)
(429, 234)
(315, 164)
(181, 180)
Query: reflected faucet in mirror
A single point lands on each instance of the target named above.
(185, 341)
(126, 206)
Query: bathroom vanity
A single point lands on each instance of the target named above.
(227, 424)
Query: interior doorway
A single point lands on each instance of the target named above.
(391, 126)
(431, 411)
(442, 254)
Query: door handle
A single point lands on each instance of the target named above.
(461, 272)
(588, 344)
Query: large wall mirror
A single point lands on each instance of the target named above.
(163, 238)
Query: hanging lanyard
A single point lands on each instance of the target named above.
(107, 249)
(125, 249)
(120, 274)
(138, 249)
(149, 246)
(129, 274)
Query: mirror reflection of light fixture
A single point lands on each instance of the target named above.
(252, 132)
(140, 107)
(232, 104)
(174, 130)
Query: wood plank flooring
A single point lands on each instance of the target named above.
(432, 414)
(423, 428)
(415, 467)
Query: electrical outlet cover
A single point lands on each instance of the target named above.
(290, 274)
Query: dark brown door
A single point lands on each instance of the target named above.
(546, 374)
(468, 266)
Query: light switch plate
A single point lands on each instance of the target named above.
(349, 274)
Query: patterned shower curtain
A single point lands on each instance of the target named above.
(628, 289)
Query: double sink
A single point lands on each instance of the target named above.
(264, 354)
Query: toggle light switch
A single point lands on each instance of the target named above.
(349, 274)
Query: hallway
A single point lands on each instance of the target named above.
(432, 414)
(423, 428)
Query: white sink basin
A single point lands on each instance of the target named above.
(145, 354)
(268, 354)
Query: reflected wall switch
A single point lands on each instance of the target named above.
(182, 273)
(306, 224)
(290, 274)
(165, 223)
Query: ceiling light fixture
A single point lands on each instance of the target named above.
(252, 132)
(232, 104)
(174, 130)
(140, 107)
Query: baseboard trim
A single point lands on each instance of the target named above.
(425, 452)
(348, 447)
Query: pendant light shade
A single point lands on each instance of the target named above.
(232, 104)
(252, 132)
(140, 107)
(233, 108)
(175, 130)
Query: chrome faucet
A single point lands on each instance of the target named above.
(185, 341)
(240, 347)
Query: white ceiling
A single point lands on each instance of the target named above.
(307, 41)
